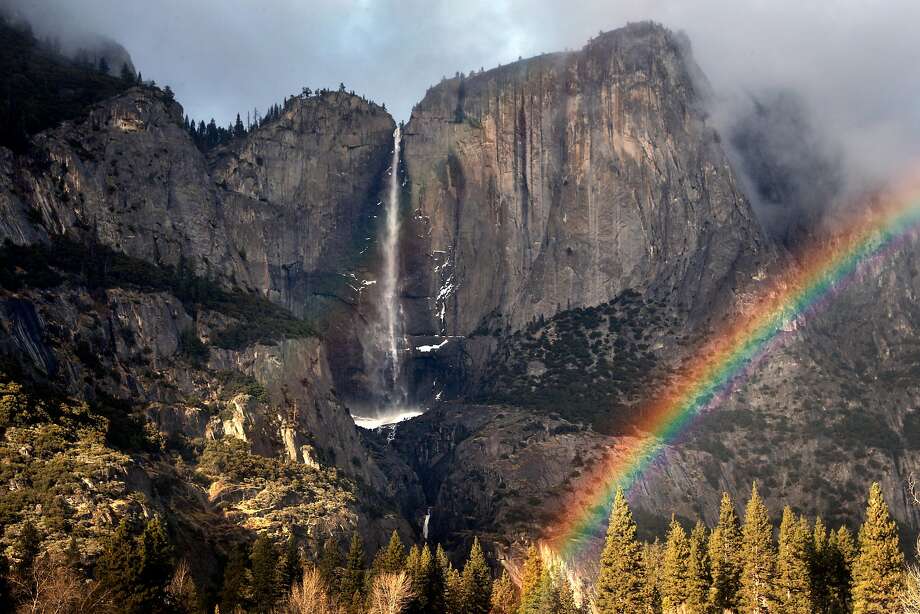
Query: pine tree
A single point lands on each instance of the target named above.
(28, 547)
(698, 574)
(239, 129)
(878, 571)
(452, 583)
(264, 564)
(136, 570)
(420, 568)
(841, 553)
(391, 558)
(675, 582)
(724, 559)
(352, 581)
(819, 565)
(477, 581)
(291, 568)
(531, 573)
(330, 560)
(652, 557)
(504, 595)
(792, 565)
(126, 75)
(565, 596)
(235, 585)
(758, 556)
(156, 565)
(619, 584)
(103, 66)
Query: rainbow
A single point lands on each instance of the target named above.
(824, 271)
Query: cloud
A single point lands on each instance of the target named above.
(850, 61)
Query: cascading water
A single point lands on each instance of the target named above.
(382, 354)
(389, 296)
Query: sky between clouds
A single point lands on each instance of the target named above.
(856, 62)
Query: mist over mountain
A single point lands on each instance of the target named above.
(593, 321)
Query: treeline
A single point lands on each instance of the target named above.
(739, 567)
(736, 567)
(210, 135)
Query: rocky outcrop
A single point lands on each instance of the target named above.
(562, 180)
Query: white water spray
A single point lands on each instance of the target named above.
(425, 525)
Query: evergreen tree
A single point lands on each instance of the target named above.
(452, 583)
(841, 555)
(619, 584)
(477, 581)
(758, 556)
(103, 66)
(820, 567)
(794, 593)
(504, 595)
(565, 596)
(724, 559)
(546, 598)
(391, 558)
(126, 75)
(291, 567)
(136, 570)
(878, 571)
(675, 582)
(263, 561)
(423, 577)
(652, 558)
(156, 563)
(352, 581)
(330, 560)
(28, 547)
(117, 568)
(698, 574)
(531, 573)
(235, 585)
(239, 129)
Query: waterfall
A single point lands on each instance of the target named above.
(383, 349)
(425, 525)
(395, 394)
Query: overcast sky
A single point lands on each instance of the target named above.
(855, 61)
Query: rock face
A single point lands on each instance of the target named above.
(128, 175)
(562, 180)
(301, 193)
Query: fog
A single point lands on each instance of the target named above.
(851, 63)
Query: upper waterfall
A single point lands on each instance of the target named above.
(395, 394)
(383, 352)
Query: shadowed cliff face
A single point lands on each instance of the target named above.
(301, 195)
(560, 181)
